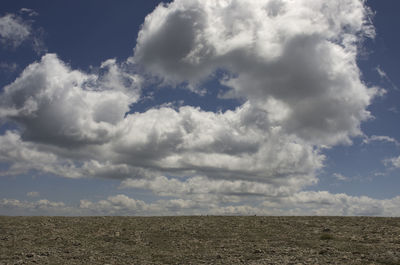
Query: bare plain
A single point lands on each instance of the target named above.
(199, 240)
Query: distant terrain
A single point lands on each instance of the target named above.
(199, 240)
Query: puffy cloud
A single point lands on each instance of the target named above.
(13, 30)
(297, 56)
(24, 156)
(219, 145)
(248, 198)
(123, 205)
(203, 189)
(115, 205)
(394, 162)
(55, 104)
(40, 207)
(76, 124)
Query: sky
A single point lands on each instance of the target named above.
(195, 107)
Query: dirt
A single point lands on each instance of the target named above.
(199, 240)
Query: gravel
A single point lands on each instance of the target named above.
(199, 240)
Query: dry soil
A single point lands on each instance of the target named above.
(199, 240)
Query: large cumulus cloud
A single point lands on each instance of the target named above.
(82, 119)
(299, 55)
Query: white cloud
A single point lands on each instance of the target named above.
(301, 203)
(33, 194)
(325, 203)
(204, 190)
(218, 145)
(202, 185)
(115, 205)
(340, 177)
(8, 67)
(58, 105)
(383, 75)
(393, 109)
(24, 156)
(380, 138)
(29, 12)
(75, 123)
(297, 55)
(392, 162)
(40, 207)
(13, 30)
(16, 30)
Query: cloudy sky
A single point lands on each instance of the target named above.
(267, 107)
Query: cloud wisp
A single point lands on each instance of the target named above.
(15, 30)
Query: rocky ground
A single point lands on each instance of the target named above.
(199, 240)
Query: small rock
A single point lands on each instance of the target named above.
(117, 234)
(257, 251)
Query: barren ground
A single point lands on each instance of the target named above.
(199, 240)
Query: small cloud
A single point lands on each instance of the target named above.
(393, 109)
(8, 67)
(383, 75)
(29, 12)
(340, 177)
(392, 162)
(15, 30)
(380, 72)
(33, 194)
(380, 138)
(379, 174)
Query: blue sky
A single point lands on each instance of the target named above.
(199, 107)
